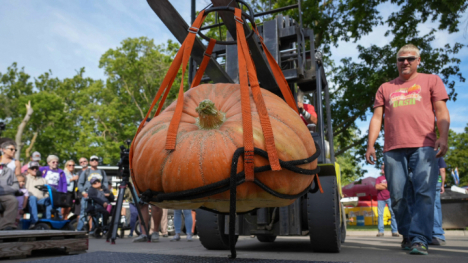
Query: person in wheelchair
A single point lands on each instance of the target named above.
(36, 196)
(98, 201)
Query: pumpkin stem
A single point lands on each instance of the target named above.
(209, 117)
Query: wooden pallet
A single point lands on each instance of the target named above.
(19, 243)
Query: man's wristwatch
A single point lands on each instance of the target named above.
(305, 114)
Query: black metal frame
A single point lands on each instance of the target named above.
(286, 40)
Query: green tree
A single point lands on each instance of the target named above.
(135, 71)
(57, 105)
(80, 116)
(457, 156)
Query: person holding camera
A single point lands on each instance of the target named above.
(84, 185)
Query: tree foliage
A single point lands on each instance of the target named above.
(457, 156)
(79, 116)
(355, 82)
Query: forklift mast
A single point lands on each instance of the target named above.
(284, 37)
(320, 216)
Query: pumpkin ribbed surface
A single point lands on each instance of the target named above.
(204, 156)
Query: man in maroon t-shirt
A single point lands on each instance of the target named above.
(383, 199)
(410, 104)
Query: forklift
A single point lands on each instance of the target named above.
(317, 215)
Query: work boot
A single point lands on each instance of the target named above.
(395, 235)
(380, 234)
(189, 238)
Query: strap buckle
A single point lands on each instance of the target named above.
(238, 19)
(193, 29)
(206, 54)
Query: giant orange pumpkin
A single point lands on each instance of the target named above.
(206, 142)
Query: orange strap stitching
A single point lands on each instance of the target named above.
(246, 110)
(174, 124)
(204, 64)
(246, 60)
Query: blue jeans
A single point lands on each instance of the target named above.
(33, 202)
(438, 231)
(381, 209)
(83, 214)
(415, 220)
(178, 220)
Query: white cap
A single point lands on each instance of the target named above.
(36, 156)
(33, 164)
(93, 157)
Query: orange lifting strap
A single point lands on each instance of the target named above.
(247, 74)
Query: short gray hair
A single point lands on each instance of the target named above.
(8, 143)
(52, 157)
(300, 96)
(409, 48)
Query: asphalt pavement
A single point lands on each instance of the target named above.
(360, 246)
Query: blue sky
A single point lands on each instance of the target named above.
(64, 36)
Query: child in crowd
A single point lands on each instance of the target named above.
(22, 199)
(100, 197)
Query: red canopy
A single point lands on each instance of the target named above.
(363, 188)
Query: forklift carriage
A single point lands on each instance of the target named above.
(319, 216)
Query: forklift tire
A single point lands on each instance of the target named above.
(211, 230)
(42, 226)
(266, 238)
(324, 217)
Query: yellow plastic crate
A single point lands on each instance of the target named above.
(370, 215)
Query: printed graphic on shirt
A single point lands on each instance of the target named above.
(52, 178)
(96, 175)
(405, 96)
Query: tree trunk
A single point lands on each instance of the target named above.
(19, 133)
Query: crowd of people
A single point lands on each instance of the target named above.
(19, 194)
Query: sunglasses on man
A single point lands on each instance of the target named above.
(410, 59)
(95, 160)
